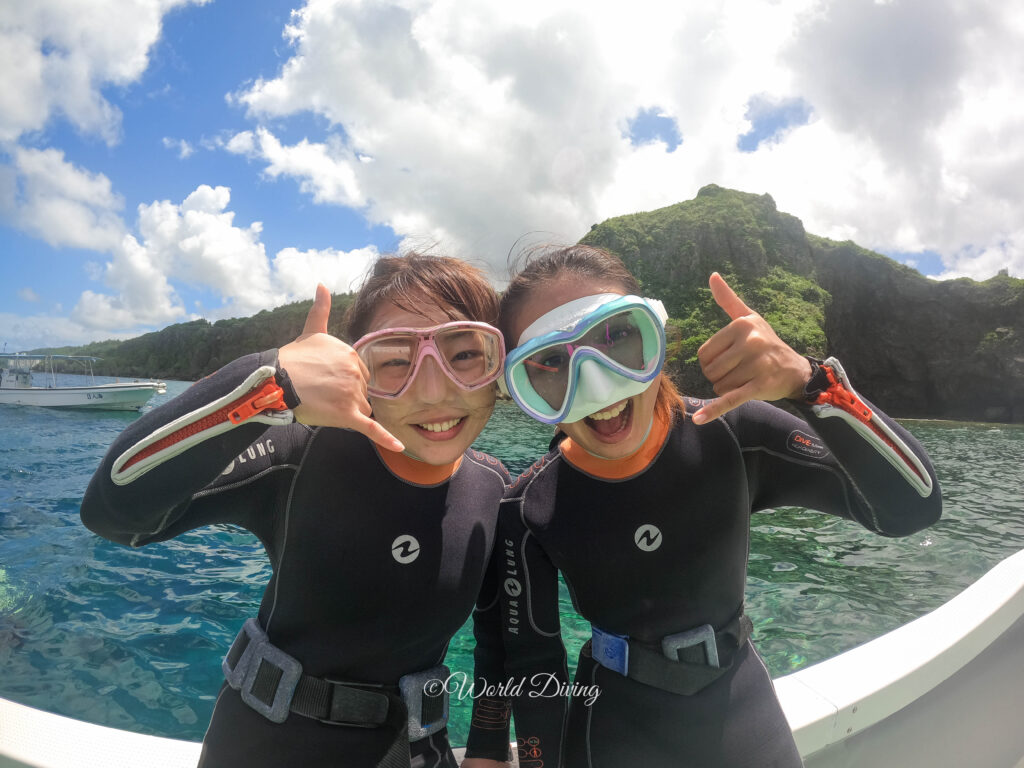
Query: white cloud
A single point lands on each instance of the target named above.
(298, 272)
(183, 147)
(196, 243)
(57, 57)
(144, 296)
(323, 170)
(44, 195)
(983, 263)
(193, 243)
(484, 121)
(22, 333)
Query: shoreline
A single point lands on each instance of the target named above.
(1017, 425)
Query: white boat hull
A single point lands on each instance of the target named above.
(944, 691)
(109, 397)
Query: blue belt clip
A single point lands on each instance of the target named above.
(610, 650)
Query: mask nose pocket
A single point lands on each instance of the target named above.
(596, 383)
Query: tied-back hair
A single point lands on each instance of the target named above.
(416, 282)
(583, 262)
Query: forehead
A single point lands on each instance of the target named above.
(389, 315)
(544, 298)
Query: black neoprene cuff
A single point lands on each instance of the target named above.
(291, 397)
(818, 382)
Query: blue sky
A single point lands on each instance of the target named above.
(181, 158)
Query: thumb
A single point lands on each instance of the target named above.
(316, 320)
(726, 297)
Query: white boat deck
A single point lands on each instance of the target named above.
(944, 690)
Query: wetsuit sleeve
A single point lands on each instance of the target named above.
(863, 466)
(152, 482)
(535, 655)
(489, 726)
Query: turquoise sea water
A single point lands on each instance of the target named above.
(133, 638)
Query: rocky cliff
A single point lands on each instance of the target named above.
(918, 347)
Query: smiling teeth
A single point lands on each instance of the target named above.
(610, 413)
(440, 426)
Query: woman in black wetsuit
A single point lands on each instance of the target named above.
(354, 469)
(645, 506)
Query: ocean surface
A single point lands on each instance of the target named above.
(133, 638)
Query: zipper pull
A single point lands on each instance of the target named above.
(269, 397)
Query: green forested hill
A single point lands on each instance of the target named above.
(918, 347)
(921, 348)
(189, 351)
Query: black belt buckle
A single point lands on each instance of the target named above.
(270, 681)
(426, 698)
(353, 705)
(702, 635)
(241, 652)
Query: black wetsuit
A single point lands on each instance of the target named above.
(350, 598)
(665, 551)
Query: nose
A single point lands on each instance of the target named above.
(431, 384)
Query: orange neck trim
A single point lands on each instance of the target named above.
(618, 469)
(415, 471)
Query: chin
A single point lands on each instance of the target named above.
(633, 425)
(436, 455)
(616, 451)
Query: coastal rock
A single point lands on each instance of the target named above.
(921, 348)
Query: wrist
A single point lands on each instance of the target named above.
(818, 382)
(291, 397)
(809, 369)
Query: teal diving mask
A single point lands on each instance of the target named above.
(586, 355)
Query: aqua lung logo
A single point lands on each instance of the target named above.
(647, 537)
(513, 588)
(405, 549)
(263, 448)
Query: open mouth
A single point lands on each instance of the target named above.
(612, 424)
(441, 430)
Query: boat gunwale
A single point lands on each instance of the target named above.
(822, 702)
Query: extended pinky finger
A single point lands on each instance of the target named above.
(373, 430)
(722, 405)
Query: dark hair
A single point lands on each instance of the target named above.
(582, 262)
(416, 281)
(545, 266)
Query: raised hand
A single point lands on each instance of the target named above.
(330, 379)
(746, 360)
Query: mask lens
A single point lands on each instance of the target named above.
(619, 338)
(389, 361)
(470, 355)
(548, 372)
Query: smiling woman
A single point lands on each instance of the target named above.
(644, 505)
(358, 484)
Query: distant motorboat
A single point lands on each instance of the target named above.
(16, 386)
